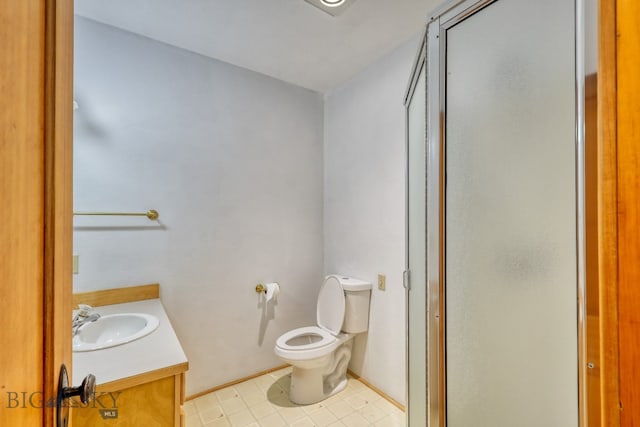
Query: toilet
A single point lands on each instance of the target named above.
(320, 354)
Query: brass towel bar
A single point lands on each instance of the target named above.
(151, 214)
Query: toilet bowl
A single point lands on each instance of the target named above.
(320, 354)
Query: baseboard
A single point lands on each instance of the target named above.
(377, 390)
(234, 382)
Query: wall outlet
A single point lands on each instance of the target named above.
(382, 282)
(75, 264)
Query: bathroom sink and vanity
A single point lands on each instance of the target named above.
(134, 353)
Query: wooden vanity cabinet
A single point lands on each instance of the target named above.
(137, 390)
(154, 401)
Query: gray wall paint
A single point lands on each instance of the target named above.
(232, 160)
(364, 206)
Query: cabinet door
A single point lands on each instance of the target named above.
(156, 403)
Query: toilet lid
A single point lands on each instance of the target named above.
(330, 310)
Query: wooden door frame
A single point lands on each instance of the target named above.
(58, 187)
(619, 210)
(607, 215)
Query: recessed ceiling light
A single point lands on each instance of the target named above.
(332, 7)
(332, 3)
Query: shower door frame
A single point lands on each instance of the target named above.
(419, 65)
(439, 22)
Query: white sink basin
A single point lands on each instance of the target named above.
(114, 329)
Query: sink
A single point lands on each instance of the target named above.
(114, 329)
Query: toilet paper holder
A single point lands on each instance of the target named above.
(261, 288)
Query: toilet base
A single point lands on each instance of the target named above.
(316, 384)
(307, 388)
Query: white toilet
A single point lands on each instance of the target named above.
(320, 354)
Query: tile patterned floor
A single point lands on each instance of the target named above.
(264, 402)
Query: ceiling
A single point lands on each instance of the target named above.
(290, 40)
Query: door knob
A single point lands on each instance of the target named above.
(86, 391)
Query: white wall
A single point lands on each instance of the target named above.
(364, 206)
(232, 160)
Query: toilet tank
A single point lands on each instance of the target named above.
(357, 294)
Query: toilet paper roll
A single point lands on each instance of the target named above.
(273, 290)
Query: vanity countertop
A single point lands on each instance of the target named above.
(158, 350)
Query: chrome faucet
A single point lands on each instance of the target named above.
(84, 315)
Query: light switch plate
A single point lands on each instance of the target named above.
(75, 264)
(382, 282)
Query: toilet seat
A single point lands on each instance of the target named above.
(325, 344)
(325, 338)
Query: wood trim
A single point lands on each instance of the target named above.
(58, 194)
(628, 208)
(179, 396)
(178, 399)
(117, 295)
(144, 378)
(607, 214)
(377, 390)
(177, 407)
(234, 382)
(183, 388)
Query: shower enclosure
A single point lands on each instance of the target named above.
(495, 217)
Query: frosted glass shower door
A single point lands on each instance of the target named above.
(510, 262)
(416, 251)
